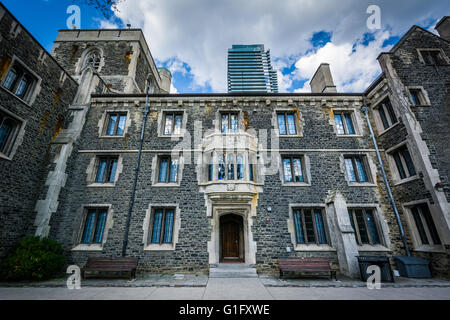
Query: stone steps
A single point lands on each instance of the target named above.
(232, 270)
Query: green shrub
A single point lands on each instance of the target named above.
(33, 259)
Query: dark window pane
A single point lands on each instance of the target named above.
(419, 225)
(10, 79)
(173, 175)
(361, 170)
(168, 229)
(309, 226)
(291, 124)
(88, 226)
(372, 227)
(157, 222)
(349, 123)
(230, 166)
(250, 172)
(298, 227)
(112, 170)
(111, 125)
(352, 222)
(6, 129)
(408, 160)
(101, 170)
(383, 117)
(101, 220)
(430, 223)
(287, 170)
(240, 167)
(390, 110)
(350, 170)
(163, 167)
(121, 125)
(361, 226)
(281, 124)
(398, 163)
(298, 174)
(320, 226)
(210, 172)
(22, 87)
(339, 123)
(221, 168)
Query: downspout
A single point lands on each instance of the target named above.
(365, 109)
(138, 163)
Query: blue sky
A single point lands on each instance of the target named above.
(191, 37)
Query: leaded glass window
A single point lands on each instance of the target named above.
(162, 229)
(94, 225)
(364, 225)
(309, 226)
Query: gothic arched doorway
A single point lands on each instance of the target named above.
(231, 238)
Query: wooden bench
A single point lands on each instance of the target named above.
(111, 265)
(306, 265)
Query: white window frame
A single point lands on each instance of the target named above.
(369, 165)
(392, 164)
(162, 122)
(298, 122)
(378, 122)
(155, 169)
(306, 169)
(103, 123)
(92, 168)
(33, 90)
(415, 237)
(310, 246)
(356, 120)
(147, 227)
(80, 220)
(18, 135)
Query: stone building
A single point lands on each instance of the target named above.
(231, 177)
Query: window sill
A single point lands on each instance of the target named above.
(421, 105)
(230, 182)
(101, 185)
(349, 135)
(430, 248)
(361, 184)
(289, 135)
(88, 247)
(165, 185)
(112, 137)
(406, 180)
(12, 94)
(175, 136)
(373, 248)
(3, 156)
(296, 184)
(160, 247)
(313, 247)
(386, 130)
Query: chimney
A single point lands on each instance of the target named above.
(166, 79)
(443, 28)
(322, 81)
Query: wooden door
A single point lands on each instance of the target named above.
(230, 240)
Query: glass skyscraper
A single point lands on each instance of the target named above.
(250, 69)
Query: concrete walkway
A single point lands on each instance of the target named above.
(226, 289)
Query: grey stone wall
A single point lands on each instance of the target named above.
(24, 175)
(191, 253)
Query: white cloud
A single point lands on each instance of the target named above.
(199, 32)
(353, 69)
(173, 89)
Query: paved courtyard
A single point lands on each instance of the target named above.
(200, 287)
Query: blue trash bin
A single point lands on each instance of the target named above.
(413, 267)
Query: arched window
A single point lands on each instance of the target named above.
(93, 59)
